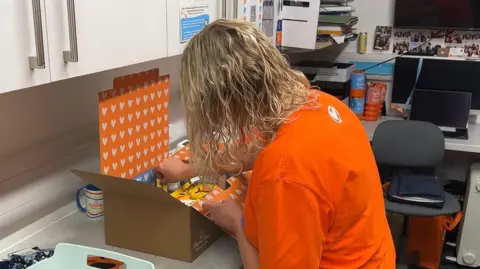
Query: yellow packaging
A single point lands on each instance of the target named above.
(162, 186)
(199, 191)
(192, 191)
(182, 193)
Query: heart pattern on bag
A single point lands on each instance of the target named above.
(129, 125)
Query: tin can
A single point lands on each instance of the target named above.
(362, 43)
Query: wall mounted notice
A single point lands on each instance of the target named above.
(193, 18)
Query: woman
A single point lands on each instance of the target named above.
(314, 199)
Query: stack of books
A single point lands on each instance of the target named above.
(336, 7)
(338, 28)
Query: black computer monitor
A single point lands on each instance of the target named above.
(441, 75)
(446, 109)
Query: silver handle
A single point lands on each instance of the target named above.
(224, 9)
(235, 9)
(37, 62)
(72, 54)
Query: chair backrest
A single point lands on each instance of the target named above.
(406, 143)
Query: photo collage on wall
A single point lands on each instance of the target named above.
(465, 44)
(383, 35)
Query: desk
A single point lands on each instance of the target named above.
(76, 228)
(471, 145)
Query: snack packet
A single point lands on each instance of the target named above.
(192, 191)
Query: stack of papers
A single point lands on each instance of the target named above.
(337, 27)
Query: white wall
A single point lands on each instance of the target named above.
(371, 13)
(49, 129)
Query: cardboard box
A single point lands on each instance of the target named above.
(141, 217)
(133, 135)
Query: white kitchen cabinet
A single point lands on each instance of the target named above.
(88, 36)
(23, 41)
(196, 9)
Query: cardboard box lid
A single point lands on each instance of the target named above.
(133, 124)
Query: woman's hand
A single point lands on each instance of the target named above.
(226, 214)
(174, 170)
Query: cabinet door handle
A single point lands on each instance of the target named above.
(224, 9)
(235, 9)
(72, 54)
(38, 61)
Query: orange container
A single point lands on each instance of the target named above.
(357, 92)
(357, 102)
(375, 98)
(371, 112)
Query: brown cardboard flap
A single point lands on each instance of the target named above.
(133, 121)
(203, 231)
(126, 186)
(157, 228)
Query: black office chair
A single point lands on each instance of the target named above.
(404, 146)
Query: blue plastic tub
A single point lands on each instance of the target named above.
(75, 257)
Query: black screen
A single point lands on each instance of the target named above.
(443, 75)
(437, 14)
(443, 108)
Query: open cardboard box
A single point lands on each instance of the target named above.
(133, 135)
(142, 217)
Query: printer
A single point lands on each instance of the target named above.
(332, 78)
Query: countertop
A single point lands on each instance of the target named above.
(76, 228)
(472, 144)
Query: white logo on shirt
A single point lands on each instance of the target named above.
(333, 113)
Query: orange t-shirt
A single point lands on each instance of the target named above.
(315, 197)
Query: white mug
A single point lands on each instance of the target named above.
(93, 201)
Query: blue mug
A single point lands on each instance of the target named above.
(93, 201)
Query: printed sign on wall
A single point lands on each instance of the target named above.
(193, 18)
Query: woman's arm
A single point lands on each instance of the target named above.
(248, 253)
(174, 170)
(228, 214)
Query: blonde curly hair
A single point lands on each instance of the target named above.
(236, 87)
